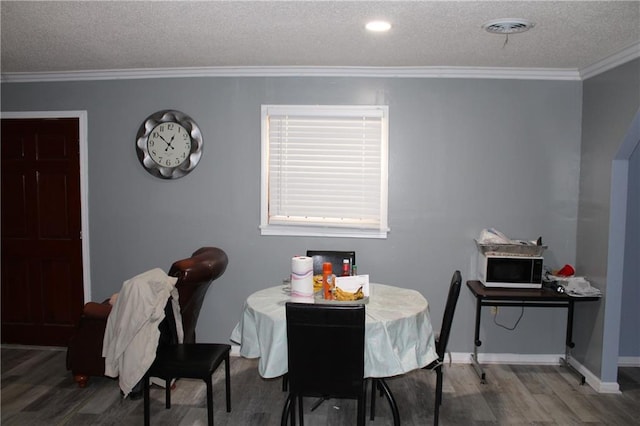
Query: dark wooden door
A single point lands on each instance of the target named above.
(42, 289)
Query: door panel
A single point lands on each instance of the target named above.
(42, 289)
(14, 208)
(18, 310)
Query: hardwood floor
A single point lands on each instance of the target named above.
(37, 390)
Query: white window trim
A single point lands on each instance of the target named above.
(346, 230)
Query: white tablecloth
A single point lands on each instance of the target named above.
(398, 332)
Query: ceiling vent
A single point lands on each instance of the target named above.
(508, 26)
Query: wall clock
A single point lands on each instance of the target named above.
(169, 144)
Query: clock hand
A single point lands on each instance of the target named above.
(169, 143)
(165, 141)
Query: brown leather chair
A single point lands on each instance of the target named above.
(195, 274)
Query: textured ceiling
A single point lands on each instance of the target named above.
(115, 35)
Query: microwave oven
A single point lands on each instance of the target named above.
(495, 270)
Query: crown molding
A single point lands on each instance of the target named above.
(396, 72)
(630, 53)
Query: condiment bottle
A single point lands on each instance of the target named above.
(345, 268)
(327, 280)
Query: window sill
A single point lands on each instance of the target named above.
(312, 231)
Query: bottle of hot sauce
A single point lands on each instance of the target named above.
(327, 280)
(346, 269)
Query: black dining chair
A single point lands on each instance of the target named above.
(189, 361)
(325, 348)
(442, 340)
(336, 258)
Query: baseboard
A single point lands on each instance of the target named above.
(504, 358)
(629, 361)
(235, 350)
(536, 359)
(594, 381)
(34, 347)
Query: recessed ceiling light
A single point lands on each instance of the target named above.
(508, 26)
(378, 26)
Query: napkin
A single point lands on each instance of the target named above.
(579, 287)
(353, 283)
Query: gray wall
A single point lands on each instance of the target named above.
(630, 314)
(611, 101)
(465, 154)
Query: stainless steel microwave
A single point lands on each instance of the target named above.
(495, 270)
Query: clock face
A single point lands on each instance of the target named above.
(169, 144)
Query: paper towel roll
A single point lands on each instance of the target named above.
(302, 276)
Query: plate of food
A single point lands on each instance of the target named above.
(350, 290)
(342, 297)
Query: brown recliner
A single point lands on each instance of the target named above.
(195, 274)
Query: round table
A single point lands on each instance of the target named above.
(398, 332)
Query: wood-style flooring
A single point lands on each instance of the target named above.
(37, 390)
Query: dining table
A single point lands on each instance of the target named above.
(399, 336)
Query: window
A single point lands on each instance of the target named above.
(324, 170)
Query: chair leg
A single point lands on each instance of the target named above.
(438, 402)
(439, 379)
(145, 392)
(227, 382)
(301, 409)
(318, 403)
(392, 401)
(167, 393)
(209, 383)
(285, 411)
(81, 380)
(374, 383)
(362, 412)
(292, 411)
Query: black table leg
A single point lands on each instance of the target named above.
(570, 344)
(569, 339)
(477, 342)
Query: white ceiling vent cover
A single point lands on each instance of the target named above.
(508, 26)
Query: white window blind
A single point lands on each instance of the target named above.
(324, 170)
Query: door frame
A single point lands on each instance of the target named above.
(84, 181)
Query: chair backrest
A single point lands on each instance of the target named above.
(452, 300)
(195, 275)
(335, 257)
(168, 327)
(325, 345)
